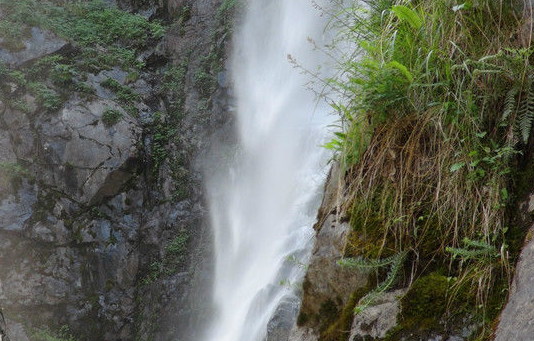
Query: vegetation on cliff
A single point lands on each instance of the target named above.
(436, 118)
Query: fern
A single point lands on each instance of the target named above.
(526, 114)
(363, 263)
(510, 103)
(408, 15)
(395, 263)
(473, 249)
(478, 244)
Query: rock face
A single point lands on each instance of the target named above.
(88, 160)
(517, 319)
(41, 43)
(102, 224)
(375, 321)
(327, 286)
(283, 320)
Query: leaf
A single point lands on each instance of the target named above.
(403, 69)
(342, 136)
(526, 115)
(368, 46)
(465, 5)
(410, 16)
(457, 166)
(504, 194)
(510, 103)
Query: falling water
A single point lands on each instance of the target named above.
(264, 204)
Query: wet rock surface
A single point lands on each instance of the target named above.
(86, 159)
(283, 320)
(94, 235)
(326, 283)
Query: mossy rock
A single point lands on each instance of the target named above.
(422, 307)
(339, 330)
(426, 298)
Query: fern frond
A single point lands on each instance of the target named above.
(480, 244)
(526, 114)
(473, 249)
(510, 103)
(390, 280)
(466, 253)
(363, 263)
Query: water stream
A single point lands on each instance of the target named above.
(264, 204)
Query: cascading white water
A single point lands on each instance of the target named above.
(263, 207)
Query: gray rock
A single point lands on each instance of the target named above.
(16, 210)
(15, 331)
(40, 44)
(283, 320)
(517, 318)
(94, 80)
(87, 159)
(66, 263)
(326, 282)
(303, 334)
(20, 133)
(325, 279)
(376, 320)
(6, 149)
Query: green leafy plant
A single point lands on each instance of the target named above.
(110, 117)
(395, 265)
(46, 97)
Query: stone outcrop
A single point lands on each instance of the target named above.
(93, 236)
(88, 160)
(516, 320)
(376, 320)
(283, 320)
(327, 286)
(40, 44)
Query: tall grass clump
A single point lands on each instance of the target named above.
(436, 111)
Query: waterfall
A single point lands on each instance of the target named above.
(263, 205)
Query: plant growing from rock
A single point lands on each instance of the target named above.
(435, 115)
(110, 117)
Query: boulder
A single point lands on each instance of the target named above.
(325, 280)
(376, 320)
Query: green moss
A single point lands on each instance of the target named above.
(339, 330)
(422, 307)
(14, 35)
(63, 334)
(328, 313)
(302, 319)
(173, 86)
(368, 236)
(426, 300)
(175, 253)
